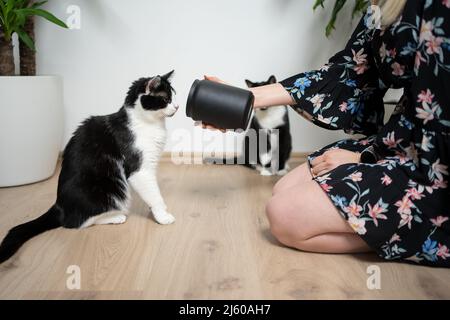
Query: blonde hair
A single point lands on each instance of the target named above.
(390, 10)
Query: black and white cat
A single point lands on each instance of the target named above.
(104, 158)
(273, 138)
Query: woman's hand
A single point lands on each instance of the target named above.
(214, 79)
(332, 159)
(209, 126)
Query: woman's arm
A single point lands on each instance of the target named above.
(266, 96)
(271, 95)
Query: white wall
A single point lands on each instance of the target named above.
(120, 41)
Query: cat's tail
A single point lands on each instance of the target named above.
(18, 235)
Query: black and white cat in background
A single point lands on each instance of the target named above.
(274, 141)
(104, 158)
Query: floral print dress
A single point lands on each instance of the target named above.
(397, 199)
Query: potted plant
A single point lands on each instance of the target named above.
(31, 106)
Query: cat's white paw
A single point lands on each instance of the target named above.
(282, 172)
(166, 218)
(265, 172)
(119, 219)
(116, 219)
(265, 158)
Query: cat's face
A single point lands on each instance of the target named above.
(154, 97)
(252, 84)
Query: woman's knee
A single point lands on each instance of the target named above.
(274, 213)
(281, 184)
(280, 221)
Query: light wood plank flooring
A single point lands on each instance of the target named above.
(219, 248)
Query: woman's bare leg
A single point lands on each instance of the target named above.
(298, 175)
(303, 217)
(332, 243)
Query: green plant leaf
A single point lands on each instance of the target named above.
(10, 4)
(331, 24)
(13, 14)
(38, 4)
(20, 18)
(318, 3)
(44, 14)
(25, 38)
(2, 8)
(360, 5)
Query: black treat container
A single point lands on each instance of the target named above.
(220, 105)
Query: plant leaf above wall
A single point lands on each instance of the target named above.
(16, 16)
(13, 14)
(359, 7)
(44, 14)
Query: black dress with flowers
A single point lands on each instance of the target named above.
(397, 199)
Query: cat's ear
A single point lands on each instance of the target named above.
(168, 75)
(272, 79)
(249, 83)
(152, 84)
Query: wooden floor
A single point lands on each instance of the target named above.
(219, 248)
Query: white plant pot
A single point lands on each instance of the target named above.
(31, 128)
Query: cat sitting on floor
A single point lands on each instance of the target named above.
(104, 158)
(272, 130)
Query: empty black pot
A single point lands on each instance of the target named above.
(218, 104)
